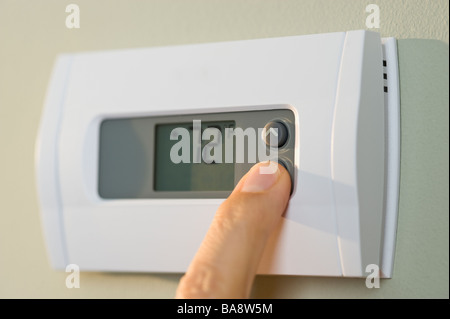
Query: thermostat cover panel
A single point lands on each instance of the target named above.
(332, 83)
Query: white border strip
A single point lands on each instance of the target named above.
(392, 111)
(46, 164)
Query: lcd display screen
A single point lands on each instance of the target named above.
(135, 159)
(187, 170)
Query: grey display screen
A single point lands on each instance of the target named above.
(135, 162)
(190, 176)
(147, 157)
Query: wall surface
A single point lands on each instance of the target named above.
(32, 33)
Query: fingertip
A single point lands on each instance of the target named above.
(263, 176)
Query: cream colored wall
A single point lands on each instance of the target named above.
(33, 32)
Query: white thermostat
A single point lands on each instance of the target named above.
(138, 148)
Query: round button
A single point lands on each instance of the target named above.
(289, 168)
(279, 132)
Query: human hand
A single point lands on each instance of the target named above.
(226, 262)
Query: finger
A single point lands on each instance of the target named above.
(227, 260)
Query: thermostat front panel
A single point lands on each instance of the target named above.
(135, 154)
(108, 197)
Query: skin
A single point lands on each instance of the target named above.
(226, 262)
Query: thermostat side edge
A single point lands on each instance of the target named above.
(46, 163)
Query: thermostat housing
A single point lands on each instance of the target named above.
(109, 201)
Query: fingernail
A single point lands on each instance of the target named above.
(257, 181)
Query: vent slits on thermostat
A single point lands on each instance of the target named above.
(385, 76)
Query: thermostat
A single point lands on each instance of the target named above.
(138, 148)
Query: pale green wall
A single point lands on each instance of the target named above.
(33, 32)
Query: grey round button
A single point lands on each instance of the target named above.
(278, 130)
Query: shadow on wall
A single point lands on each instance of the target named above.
(424, 187)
